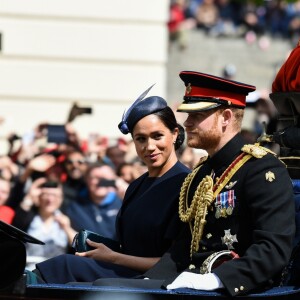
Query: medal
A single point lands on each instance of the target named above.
(231, 204)
(224, 204)
(229, 210)
(218, 212)
(228, 239)
(223, 212)
(223, 198)
(218, 208)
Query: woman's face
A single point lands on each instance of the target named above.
(154, 144)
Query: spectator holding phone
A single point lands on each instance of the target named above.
(98, 205)
(36, 167)
(39, 215)
(75, 166)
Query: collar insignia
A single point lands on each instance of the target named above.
(270, 176)
(228, 239)
(230, 185)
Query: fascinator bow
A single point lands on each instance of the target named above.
(123, 124)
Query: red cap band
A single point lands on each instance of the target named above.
(195, 91)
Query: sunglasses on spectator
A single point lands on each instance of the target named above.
(73, 161)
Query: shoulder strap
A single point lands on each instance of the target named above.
(256, 150)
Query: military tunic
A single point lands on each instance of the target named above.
(259, 226)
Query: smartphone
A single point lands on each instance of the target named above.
(50, 184)
(57, 134)
(106, 182)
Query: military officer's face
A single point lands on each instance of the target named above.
(204, 130)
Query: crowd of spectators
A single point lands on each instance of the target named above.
(251, 20)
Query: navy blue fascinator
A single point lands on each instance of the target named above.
(139, 109)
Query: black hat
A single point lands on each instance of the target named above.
(204, 92)
(139, 109)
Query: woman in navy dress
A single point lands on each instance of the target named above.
(148, 221)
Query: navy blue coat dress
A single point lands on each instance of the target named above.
(146, 225)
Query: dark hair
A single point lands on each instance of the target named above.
(167, 116)
(121, 166)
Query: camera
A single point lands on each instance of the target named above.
(77, 111)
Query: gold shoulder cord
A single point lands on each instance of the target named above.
(206, 192)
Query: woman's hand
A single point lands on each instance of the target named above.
(105, 254)
(101, 252)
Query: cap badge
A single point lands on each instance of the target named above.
(228, 239)
(270, 176)
(188, 88)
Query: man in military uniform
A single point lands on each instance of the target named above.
(237, 204)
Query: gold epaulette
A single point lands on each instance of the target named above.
(256, 150)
